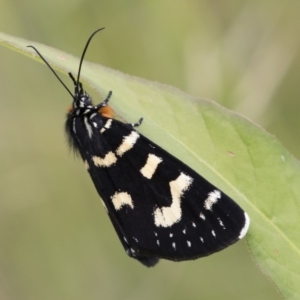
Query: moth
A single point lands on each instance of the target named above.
(159, 206)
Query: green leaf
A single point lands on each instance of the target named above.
(236, 155)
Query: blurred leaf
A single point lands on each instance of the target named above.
(237, 156)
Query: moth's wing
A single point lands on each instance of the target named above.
(111, 178)
(160, 207)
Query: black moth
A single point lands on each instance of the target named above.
(160, 207)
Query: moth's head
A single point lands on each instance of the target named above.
(82, 103)
(82, 100)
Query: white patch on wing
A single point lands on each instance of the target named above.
(119, 199)
(189, 243)
(106, 125)
(86, 164)
(246, 226)
(127, 143)
(202, 216)
(150, 166)
(221, 223)
(74, 125)
(88, 127)
(108, 160)
(168, 215)
(212, 199)
(93, 115)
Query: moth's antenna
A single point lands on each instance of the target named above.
(45, 61)
(80, 64)
(83, 54)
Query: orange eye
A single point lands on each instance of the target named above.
(106, 111)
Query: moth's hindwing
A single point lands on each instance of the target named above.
(159, 206)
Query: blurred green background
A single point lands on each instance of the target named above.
(56, 241)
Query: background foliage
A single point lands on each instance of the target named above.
(56, 240)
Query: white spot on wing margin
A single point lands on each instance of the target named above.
(246, 226)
